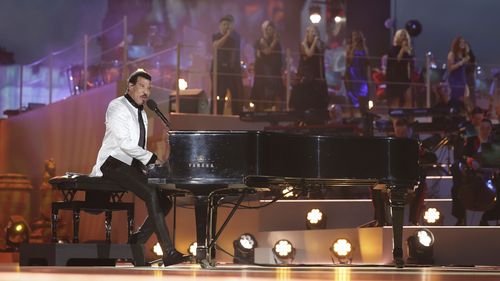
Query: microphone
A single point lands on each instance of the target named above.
(154, 107)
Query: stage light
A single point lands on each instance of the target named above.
(315, 14)
(157, 249)
(342, 250)
(420, 247)
(192, 249)
(290, 192)
(16, 232)
(252, 105)
(338, 19)
(182, 84)
(491, 186)
(283, 251)
(479, 70)
(244, 249)
(433, 216)
(315, 219)
(370, 104)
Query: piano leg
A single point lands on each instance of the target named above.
(201, 213)
(397, 196)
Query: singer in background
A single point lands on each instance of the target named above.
(123, 157)
(399, 70)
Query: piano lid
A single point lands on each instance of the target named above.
(229, 156)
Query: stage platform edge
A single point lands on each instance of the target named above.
(80, 254)
(453, 245)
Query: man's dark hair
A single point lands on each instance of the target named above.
(132, 79)
(228, 18)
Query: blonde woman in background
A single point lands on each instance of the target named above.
(310, 91)
(399, 69)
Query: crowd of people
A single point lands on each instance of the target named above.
(454, 97)
(397, 80)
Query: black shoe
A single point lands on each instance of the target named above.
(174, 257)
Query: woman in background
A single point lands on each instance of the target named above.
(268, 91)
(458, 57)
(310, 92)
(399, 69)
(357, 71)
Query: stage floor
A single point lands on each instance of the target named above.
(12, 272)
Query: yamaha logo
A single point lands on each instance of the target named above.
(200, 163)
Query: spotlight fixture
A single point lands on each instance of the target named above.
(192, 249)
(433, 216)
(244, 249)
(290, 192)
(370, 104)
(283, 251)
(315, 14)
(183, 85)
(16, 232)
(420, 247)
(315, 219)
(342, 250)
(157, 249)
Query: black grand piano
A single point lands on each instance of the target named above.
(206, 161)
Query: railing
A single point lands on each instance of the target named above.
(88, 63)
(91, 63)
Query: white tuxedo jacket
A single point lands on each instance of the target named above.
(121, 139)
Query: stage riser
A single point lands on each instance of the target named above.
(292, 215)
(62, 254)
(453, 245)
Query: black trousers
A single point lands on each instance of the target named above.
(131, 178)
(233, 83)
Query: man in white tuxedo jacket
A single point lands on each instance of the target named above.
(123, 157)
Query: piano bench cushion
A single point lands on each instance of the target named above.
(85, 183)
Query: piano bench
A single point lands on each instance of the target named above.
(100, 196)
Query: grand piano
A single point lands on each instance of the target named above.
(206, 161)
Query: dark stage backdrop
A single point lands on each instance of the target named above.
(369, 17)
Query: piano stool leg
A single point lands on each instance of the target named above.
(397, 196)
(54, 219)
(107, 225)
(130, 221)
(76, 224)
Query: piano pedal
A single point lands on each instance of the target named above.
(205, 264)
(155, 263)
